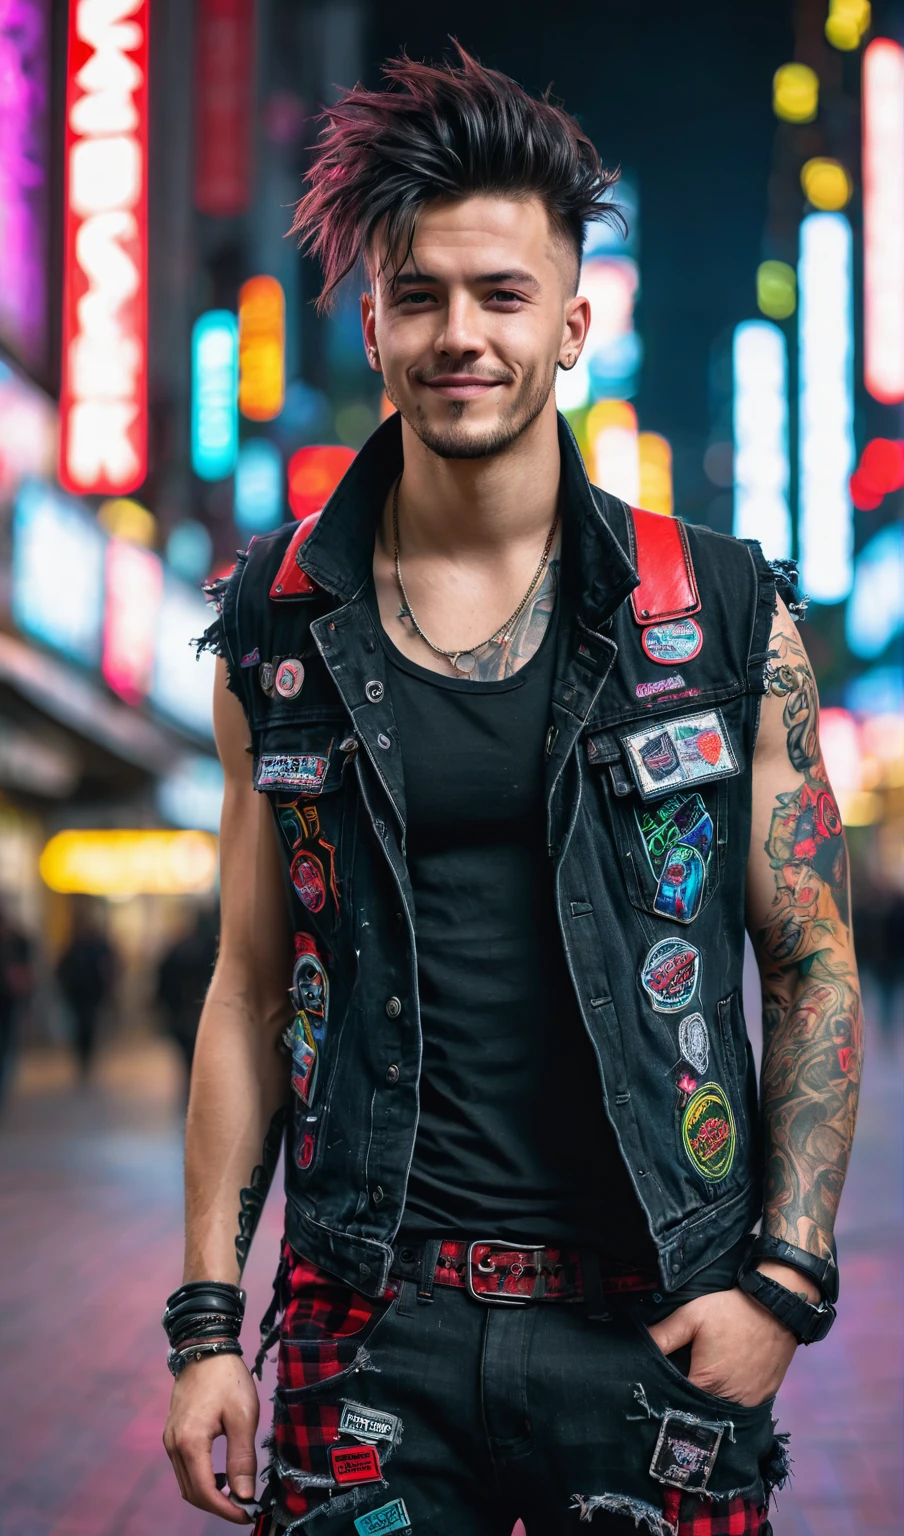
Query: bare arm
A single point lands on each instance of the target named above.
(239, 1089)
(240, 1075)
(799, 919)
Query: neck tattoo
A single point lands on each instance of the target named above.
(466, 659)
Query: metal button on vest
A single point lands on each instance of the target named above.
(393, 1007)
(383, 741)
(376, 1196)
(392, 1074)
(374, 691)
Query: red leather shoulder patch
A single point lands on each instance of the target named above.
(290, 580)
(668, 587)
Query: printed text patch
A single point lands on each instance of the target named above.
(283, 770)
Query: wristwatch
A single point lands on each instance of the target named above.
(823, 1272)
(809, 1324)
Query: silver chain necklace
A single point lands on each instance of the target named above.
(464, 660)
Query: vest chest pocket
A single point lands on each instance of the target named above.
(671, 849)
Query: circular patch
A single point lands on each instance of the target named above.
(708, 1132)
(693, 1041)
(308, 880)
(669, 974)
(289, 678)
(678, 640)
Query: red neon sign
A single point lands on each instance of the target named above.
(224, 105)
(103, 396)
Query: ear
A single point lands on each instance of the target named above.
(574, 331)
(368, 327)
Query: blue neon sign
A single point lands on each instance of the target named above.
(214, 394)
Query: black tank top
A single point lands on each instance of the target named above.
(513, 1140)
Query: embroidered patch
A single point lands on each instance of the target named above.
(692, 750)
(365, 1424)
(693, 1041)
(281, 770)
(681, 883)
(708, 1132)
(310, 984)
(661, 685)
(355, 1464)
(686, 1451)
(289, 678)
(670, 973)
(304, 1057)
(680, 819)
(304, 1154)
(678, 640)
(252, 658)
(309, 882)
(389, 1517)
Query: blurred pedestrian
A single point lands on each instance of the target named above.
(86, 973)
(183, 979)
(16, 983)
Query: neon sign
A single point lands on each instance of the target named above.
(134, 583)
(103, 398)
(762, 473)
(24, 66)
(214, 394)
(826, 412)
(883, 220)
(262, 347)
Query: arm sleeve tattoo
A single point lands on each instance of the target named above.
(811, 1005)
(252, 1197)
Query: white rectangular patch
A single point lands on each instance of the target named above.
(284, 770)
(692, 750)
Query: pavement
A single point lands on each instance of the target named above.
(90, 1234)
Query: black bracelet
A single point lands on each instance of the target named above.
(178, 1359)
(823, 1272)
(198, 1302)
(204, 1325)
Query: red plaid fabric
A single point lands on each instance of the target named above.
(323, 1321)
(712, 1517)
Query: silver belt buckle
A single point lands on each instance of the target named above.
(499, 1298)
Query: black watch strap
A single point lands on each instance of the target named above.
(809, 1324)
(823, 1272)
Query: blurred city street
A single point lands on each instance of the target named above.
(90, 1231)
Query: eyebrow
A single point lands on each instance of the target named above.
(513, 275)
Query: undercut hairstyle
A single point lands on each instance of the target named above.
(441, 131)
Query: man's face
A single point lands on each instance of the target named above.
(470, 332)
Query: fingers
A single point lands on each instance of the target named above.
(676, 1330)
(200, 1489)
(241, 1456)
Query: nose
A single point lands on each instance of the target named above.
(462, 333)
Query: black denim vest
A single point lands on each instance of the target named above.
(648, 823)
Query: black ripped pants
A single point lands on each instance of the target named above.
(468, 1417)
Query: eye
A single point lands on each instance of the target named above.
(505, 298)
(416, 300)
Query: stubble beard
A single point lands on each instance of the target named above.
(450, 442)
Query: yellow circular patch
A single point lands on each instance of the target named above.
(708, 1132)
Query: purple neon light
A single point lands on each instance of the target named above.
(24, 64)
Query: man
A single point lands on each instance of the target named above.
(499, 755)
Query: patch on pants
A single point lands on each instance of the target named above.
(686, 1451)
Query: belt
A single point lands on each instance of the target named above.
(501, 1274)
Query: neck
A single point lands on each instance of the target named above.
(480, 504)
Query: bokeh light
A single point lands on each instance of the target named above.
(127, 519)
(313, 475)
(776, 289)
(189, 550)
(126, 863)
(826, 184)
(795, 93)
(262, 346)
(847, 22)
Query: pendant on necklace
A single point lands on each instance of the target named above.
(465, 662)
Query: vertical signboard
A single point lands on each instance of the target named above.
(224, 106)
(214, 394)
(24, 73)
(103, 396)
(883, 220)
(762, 469)
(262, 348)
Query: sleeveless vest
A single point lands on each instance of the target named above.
(653, 723)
